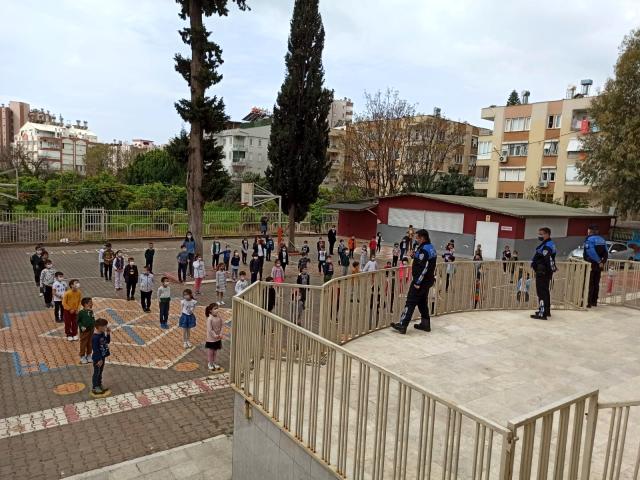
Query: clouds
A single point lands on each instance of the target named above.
(111, 62)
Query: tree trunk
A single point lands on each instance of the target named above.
(195, 164)
(292, 226)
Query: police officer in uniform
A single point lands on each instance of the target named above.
(594, 252)
(422, 271)
(544, 266)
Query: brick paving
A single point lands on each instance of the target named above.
(35, 358)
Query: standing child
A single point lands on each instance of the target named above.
(216, 249)
(42, 262)
(344, 261)
(322, 258)
(277, 273)
(328, 269)
(242, 283)
(269, 247)
(108, 257)
(47, 277)
(183, 262)
(302, 280)
(283, 256)
(304, 250)
(164, 302)
(101, 260)
(303, 262)
(149, 253)
(245, 250)
(100, 346)
(355, 267)
(146, 289)
(118, 265)
(364, 255)
(71, 304)
(198, 273)
(221, 283)
(352, 246)
(235, 265)
(35, 260)
(131, 278)
(226, 256)
(86, 324)
(214, 335)
(373, 245)
(395, 254)
(271, 295)
(187, 318)
(254, 267)
(59, 287)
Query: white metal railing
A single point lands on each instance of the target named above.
(102, 224)
(364, 421)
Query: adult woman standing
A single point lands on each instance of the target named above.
(190, 243)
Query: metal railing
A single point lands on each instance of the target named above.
(619, 283)
(102, 224)
(363, 421)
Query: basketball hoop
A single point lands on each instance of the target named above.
(246, 195)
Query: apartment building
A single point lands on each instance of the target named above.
(12, 118)
(535, 148)
(63, 147)
(245, 149)
(340, 169)
(341, 113)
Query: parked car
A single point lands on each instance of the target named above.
(617, 251)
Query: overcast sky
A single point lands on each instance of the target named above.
(110, 62)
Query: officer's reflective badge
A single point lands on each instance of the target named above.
(421, 256)
(545, 252)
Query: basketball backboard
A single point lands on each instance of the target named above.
(246, 194)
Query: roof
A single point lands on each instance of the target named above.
(354, 206)
(511, 206)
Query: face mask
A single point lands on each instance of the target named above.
(164, 284)
(190, 236)
(119, 255)
(60, 279)
(49, 266)
(131, 263)
(77, 285)
(540, 237)
(186, 297)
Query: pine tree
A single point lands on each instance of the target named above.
(513, 99)
(612, 150)
(300, 128)
(205, 114)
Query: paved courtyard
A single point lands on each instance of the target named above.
(162, 397)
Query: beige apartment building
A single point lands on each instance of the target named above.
(535, 148)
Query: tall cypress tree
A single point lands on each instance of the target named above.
(300, 128)
(205, 114)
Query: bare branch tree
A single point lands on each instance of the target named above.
(15, 156)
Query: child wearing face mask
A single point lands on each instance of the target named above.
(59, 287)
(146, 289)
(164, 302)
(221, 283)
(131, 278)
(183, 262)
(118, 266)
(187, 318)
(47, 277)
(198, 272)
(71, 304)
(214, 335)
(235, 265)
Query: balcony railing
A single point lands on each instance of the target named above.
(288, 363)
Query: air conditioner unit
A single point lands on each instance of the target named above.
(543, 183)
(504, 155)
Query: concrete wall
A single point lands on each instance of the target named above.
(261, 450)
(464, 243)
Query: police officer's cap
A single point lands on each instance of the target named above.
(595, 228)
(422, 233)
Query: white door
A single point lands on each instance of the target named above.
(487, 236)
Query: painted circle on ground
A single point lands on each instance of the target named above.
(68, 388)
(186, 367)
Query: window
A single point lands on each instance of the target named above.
(457, 159)
(484, 149)
(259, 142)
(474, 142)
(510, 195)
(512, 174)
(553, 121)
(516, 149)
(250, 141)
(517, 124)
(551, 148)
(548, 174)
(572, 176)
(617, 248)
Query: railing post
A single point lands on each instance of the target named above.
(507, 455)
(590, 435)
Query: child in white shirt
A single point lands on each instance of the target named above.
(187, 318)
(242, 283)
(59, 287)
